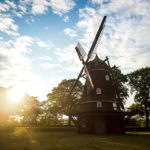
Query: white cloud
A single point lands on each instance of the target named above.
(22, 44)
(4, 7)
(126, 35)
(11, 4)
(30, 20)
(39, 6)
(46, 45)
(16, 69)
(45, 58)
(69, 56)
(66, 19)
(14, 65)
(97, 1)
(48, 65)
(70, 32)
(7, 25)
(61, 6)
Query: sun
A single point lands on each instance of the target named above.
(16, 94)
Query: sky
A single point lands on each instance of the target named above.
(38, 39)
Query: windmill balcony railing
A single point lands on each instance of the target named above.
(126, 110)
(100, 109)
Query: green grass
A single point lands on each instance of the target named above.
(22, 138)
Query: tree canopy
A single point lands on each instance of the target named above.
(59, 97)
(139, 81)
(29, 109)
(60, 100)
(119, 81)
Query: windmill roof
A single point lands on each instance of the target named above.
(97, 63)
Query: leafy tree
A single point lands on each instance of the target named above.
(139, 81)
(60, 99)
(49, 113)
(30, 109)
(136, 119)
(119, 80)
(137, 108)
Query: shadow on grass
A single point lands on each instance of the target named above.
(66, 138)
(15, 139)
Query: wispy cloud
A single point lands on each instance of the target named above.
(49, 65)
(30, 20)
(40, 6)
(46, 45)
(66, 19)
(45, 58)
(3, 7)
(69, 56)
(11, 4)
(61, 6)
(7, 25)
(70, 32)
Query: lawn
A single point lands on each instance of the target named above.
(22, 138)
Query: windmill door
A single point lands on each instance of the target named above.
(100, 125)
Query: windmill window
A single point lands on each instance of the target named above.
(98, 91)
(114, 106)
(116, 96)
(99, 104)
(83, 122)
(107, 77)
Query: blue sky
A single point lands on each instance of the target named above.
(38, 37)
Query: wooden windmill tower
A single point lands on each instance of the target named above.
(100, 109)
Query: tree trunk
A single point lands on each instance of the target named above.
(147, 117)
(69, 121)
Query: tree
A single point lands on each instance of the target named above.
(30, 109)
(60, 99)
(136, 119)
(135, 108)
(119, 80)
(49, 113)
(139, 81)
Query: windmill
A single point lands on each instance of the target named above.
(81, 53)
(100, 109)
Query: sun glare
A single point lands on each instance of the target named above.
(16, 94)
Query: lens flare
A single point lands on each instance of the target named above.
(16, 94)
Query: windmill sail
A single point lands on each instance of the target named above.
(97, 37)
(93, 54)
(80, 51)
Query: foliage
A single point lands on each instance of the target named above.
(139, 81)
(119, 81)
(136, 120)
(49, 115)
(29, 109)
(60, 99)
